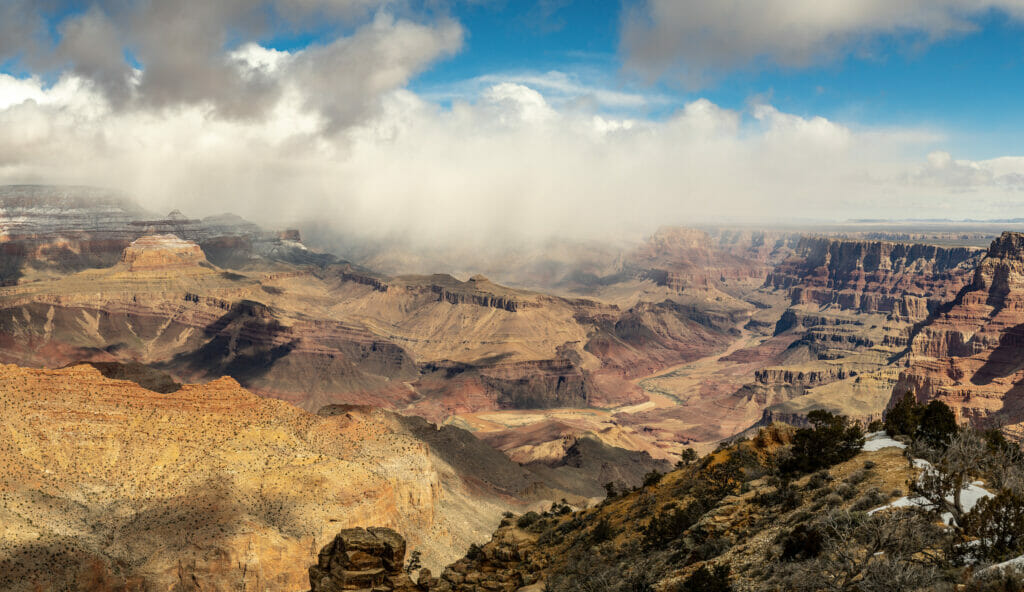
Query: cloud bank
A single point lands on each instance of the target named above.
(133, 98)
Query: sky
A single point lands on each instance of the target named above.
(442, 120)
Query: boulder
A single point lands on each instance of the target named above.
(360, 559)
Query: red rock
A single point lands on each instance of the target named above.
(970, 355)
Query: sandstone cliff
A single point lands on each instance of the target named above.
(901, 280)
(969, 354)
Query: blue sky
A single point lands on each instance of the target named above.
(968, 84)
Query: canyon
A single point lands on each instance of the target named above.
(431, 402)
(681, 340)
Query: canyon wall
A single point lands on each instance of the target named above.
(970, 354)
(907, 281)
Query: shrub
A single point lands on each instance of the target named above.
(652, 478)
(415, 562)
(603, 531)
(846, 491)
(872, 498)
(709, 580)
(819, 479)
(831, 440)
(785, 496)
(803, 542)
(527, 519)
(666, 526)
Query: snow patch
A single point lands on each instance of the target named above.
(879, 440)
(970, 495)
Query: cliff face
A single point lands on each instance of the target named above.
(162, 251)
(971, 354)
(905, 281)
(109, 486)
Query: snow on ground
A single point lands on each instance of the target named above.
(879, 440)
(1017, 563)
(970, 495)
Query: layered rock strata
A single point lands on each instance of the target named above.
(970, 355)
(362, 559)
(906, 281)
(109, 486)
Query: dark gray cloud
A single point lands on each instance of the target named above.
(157, 54)
(696, 40)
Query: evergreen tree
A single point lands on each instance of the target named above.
(937, 426)
(904, 417)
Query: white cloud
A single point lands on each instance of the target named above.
(942, 170)
(696, 39)
(157, 55)
(581, 90)
(505, 164)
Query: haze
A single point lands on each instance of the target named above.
(422, 119)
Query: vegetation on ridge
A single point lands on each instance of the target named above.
(789, 509)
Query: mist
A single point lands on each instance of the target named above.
(333, 137)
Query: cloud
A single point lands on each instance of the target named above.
(942, 170)
(695, 41)
(183, 105)
(505, 165)
(156, 55)
(582, 87)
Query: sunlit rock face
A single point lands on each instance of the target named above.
(901, 280)
(162, 252)
(110, 486)
(971, 353)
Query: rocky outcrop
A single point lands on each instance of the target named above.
(362, 559)
(164, 252)
(969, 354)
(907, 281)
(801, 377)
(348, 274)
(55, 229)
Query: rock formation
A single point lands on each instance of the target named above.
(901, 280)
(362, 559)
(969, 354)
(52, 230)
(213, 488)
(162, 252)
